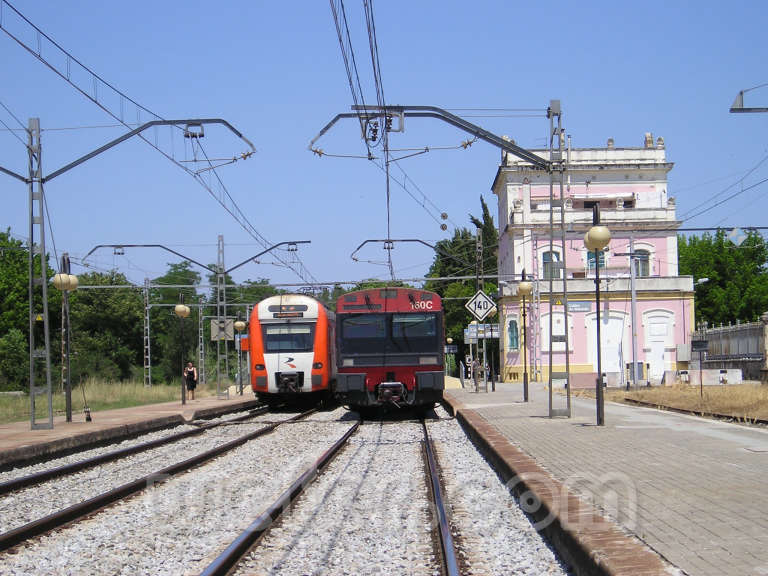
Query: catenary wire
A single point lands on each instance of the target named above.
(236, 212)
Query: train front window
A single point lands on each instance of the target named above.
(289, 338)
(389, 333)
(414, 333)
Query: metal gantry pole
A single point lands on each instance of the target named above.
(37, 355)
(557, 267)
(632, 275)
(221, 319)
(147, 350)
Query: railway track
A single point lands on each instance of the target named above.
(345, 498)
(41, 476)
(234, 559)
(77, 511)
(448, 555)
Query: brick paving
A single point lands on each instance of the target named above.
(692, 489)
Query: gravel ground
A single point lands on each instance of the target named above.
(23, 506)
(494, 535)
(179, 526)
(367, 513)
(19, 471)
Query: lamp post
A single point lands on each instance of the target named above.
(240, 326)
(182, 312)
(595, 240)
(524, 289)
(449, 365)
(65, 282)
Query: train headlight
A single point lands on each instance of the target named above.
(428, 360)
(258, 366)
(317, 365)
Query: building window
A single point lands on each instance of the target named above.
(513, 335)
(549, 260)
(642, 263)
(591, 259)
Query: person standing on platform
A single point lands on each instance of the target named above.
(190, 379)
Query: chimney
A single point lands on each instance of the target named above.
(610, 143)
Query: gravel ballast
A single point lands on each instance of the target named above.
(367, 513)
(179, 526)
(494, 535)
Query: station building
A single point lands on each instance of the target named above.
(630, 187)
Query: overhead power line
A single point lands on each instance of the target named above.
(100, 92)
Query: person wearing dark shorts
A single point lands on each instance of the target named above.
(190, 379)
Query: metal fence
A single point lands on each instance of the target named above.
(740, 346)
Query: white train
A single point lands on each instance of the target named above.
(291, 338)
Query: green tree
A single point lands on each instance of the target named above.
(14, 361)
(106, 328)
(173, 340)
(14, 274)
(738, 280)
(14, 303)
(457, 256)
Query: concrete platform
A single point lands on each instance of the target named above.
(19, 443)
(691, 490)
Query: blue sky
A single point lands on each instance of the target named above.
(274, 71)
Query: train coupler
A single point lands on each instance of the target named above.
(392, 393)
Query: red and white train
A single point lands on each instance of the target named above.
(291, 343)
(389, 346)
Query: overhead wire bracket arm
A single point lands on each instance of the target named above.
(391, 241)
(329, 126)
(140, 129)
(738, 103)
(290, 242)
(179, 254)
(12, 173)
(439, 113)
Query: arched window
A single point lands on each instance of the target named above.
(642, 263)
(548, 260)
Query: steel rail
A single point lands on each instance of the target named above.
(77, 511)
(450, 562)
(45, 475)
(232, 555)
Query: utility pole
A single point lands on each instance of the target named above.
(634, 257)
(633, 309)
(221, 318)
(38, 356)
(557, 174)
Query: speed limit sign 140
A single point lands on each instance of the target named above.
(481, 305)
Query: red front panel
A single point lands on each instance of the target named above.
(393, 367)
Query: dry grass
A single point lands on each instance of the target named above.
(742, 401)
(100, 396)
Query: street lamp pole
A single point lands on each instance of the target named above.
(182, 312)
(524, 289)
(240, 326)
(65, 282)
(595, 240)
